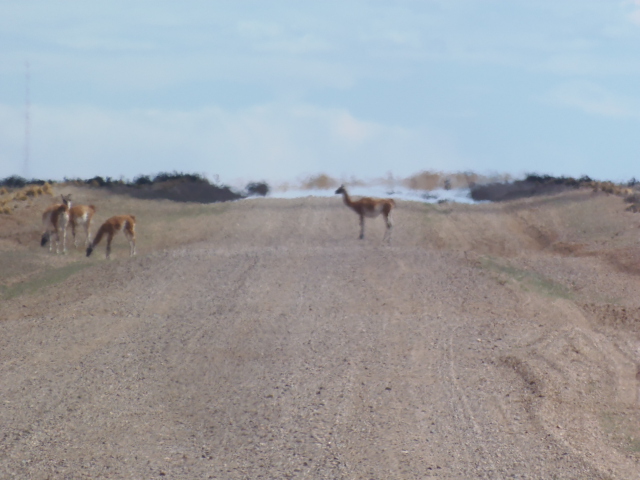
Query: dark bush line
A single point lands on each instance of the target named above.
(176, 186)
(583, 181)
(532, 185)
(15, 181)
(568, 181)
(500, 192)
(257, 188)
(146, 179)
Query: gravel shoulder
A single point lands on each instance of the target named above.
(262, 339)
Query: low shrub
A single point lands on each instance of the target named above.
(319, 182)
(96, 182)
(257, 189)
(142, 180)
(185, 177)
(14, 181)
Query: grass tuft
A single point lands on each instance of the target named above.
(623, 433)
(45, 279)
(528, 279)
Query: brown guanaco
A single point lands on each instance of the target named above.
(126, 223)
(54, 221)
(369, 207)
(81, 215)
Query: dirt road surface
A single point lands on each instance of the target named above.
(262, 339)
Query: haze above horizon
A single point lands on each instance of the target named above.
(249, 90)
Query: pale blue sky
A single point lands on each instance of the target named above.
(274, 90)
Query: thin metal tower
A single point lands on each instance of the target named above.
(27, 122)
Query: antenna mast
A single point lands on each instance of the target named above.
(27, 122)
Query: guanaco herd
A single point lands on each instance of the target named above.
(57, 218)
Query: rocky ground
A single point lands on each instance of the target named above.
(262, 339)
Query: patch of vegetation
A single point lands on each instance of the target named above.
(176, 186)
(9, 198)
(257, 189)
(49, 277)
(535, 184)
(624, 433)
(548, 179)
(15, 181)
(183, 177)
(319, 182)
(16, 263)
(528, 279)
(431, 180)
(142, 180)
(101, 182)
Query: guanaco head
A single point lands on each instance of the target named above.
(44, 239)
(340, 190)
(89, 250)
(66, 200)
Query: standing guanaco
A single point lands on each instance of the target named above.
(369, 207)
(81, 215)
(54, 221)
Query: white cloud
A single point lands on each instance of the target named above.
(587, 65)
(593, 99)
(411, 61)
(287, 43)
(255, 30)
(352, 130)
(274, 38)
(634, 15)
(273, 142)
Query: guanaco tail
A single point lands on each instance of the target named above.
(370, 207)
(126, 223)
(54, 221)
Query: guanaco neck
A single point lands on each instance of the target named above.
(347, 199)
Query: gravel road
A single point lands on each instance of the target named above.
(283, 347)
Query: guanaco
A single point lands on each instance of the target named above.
(55, 220)
(126, 223)
(370, 207)
(81, 215)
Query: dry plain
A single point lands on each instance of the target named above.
(262, 339)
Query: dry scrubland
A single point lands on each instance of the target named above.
(425, 180)
(261, 339)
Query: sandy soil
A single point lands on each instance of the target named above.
(262, 339)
